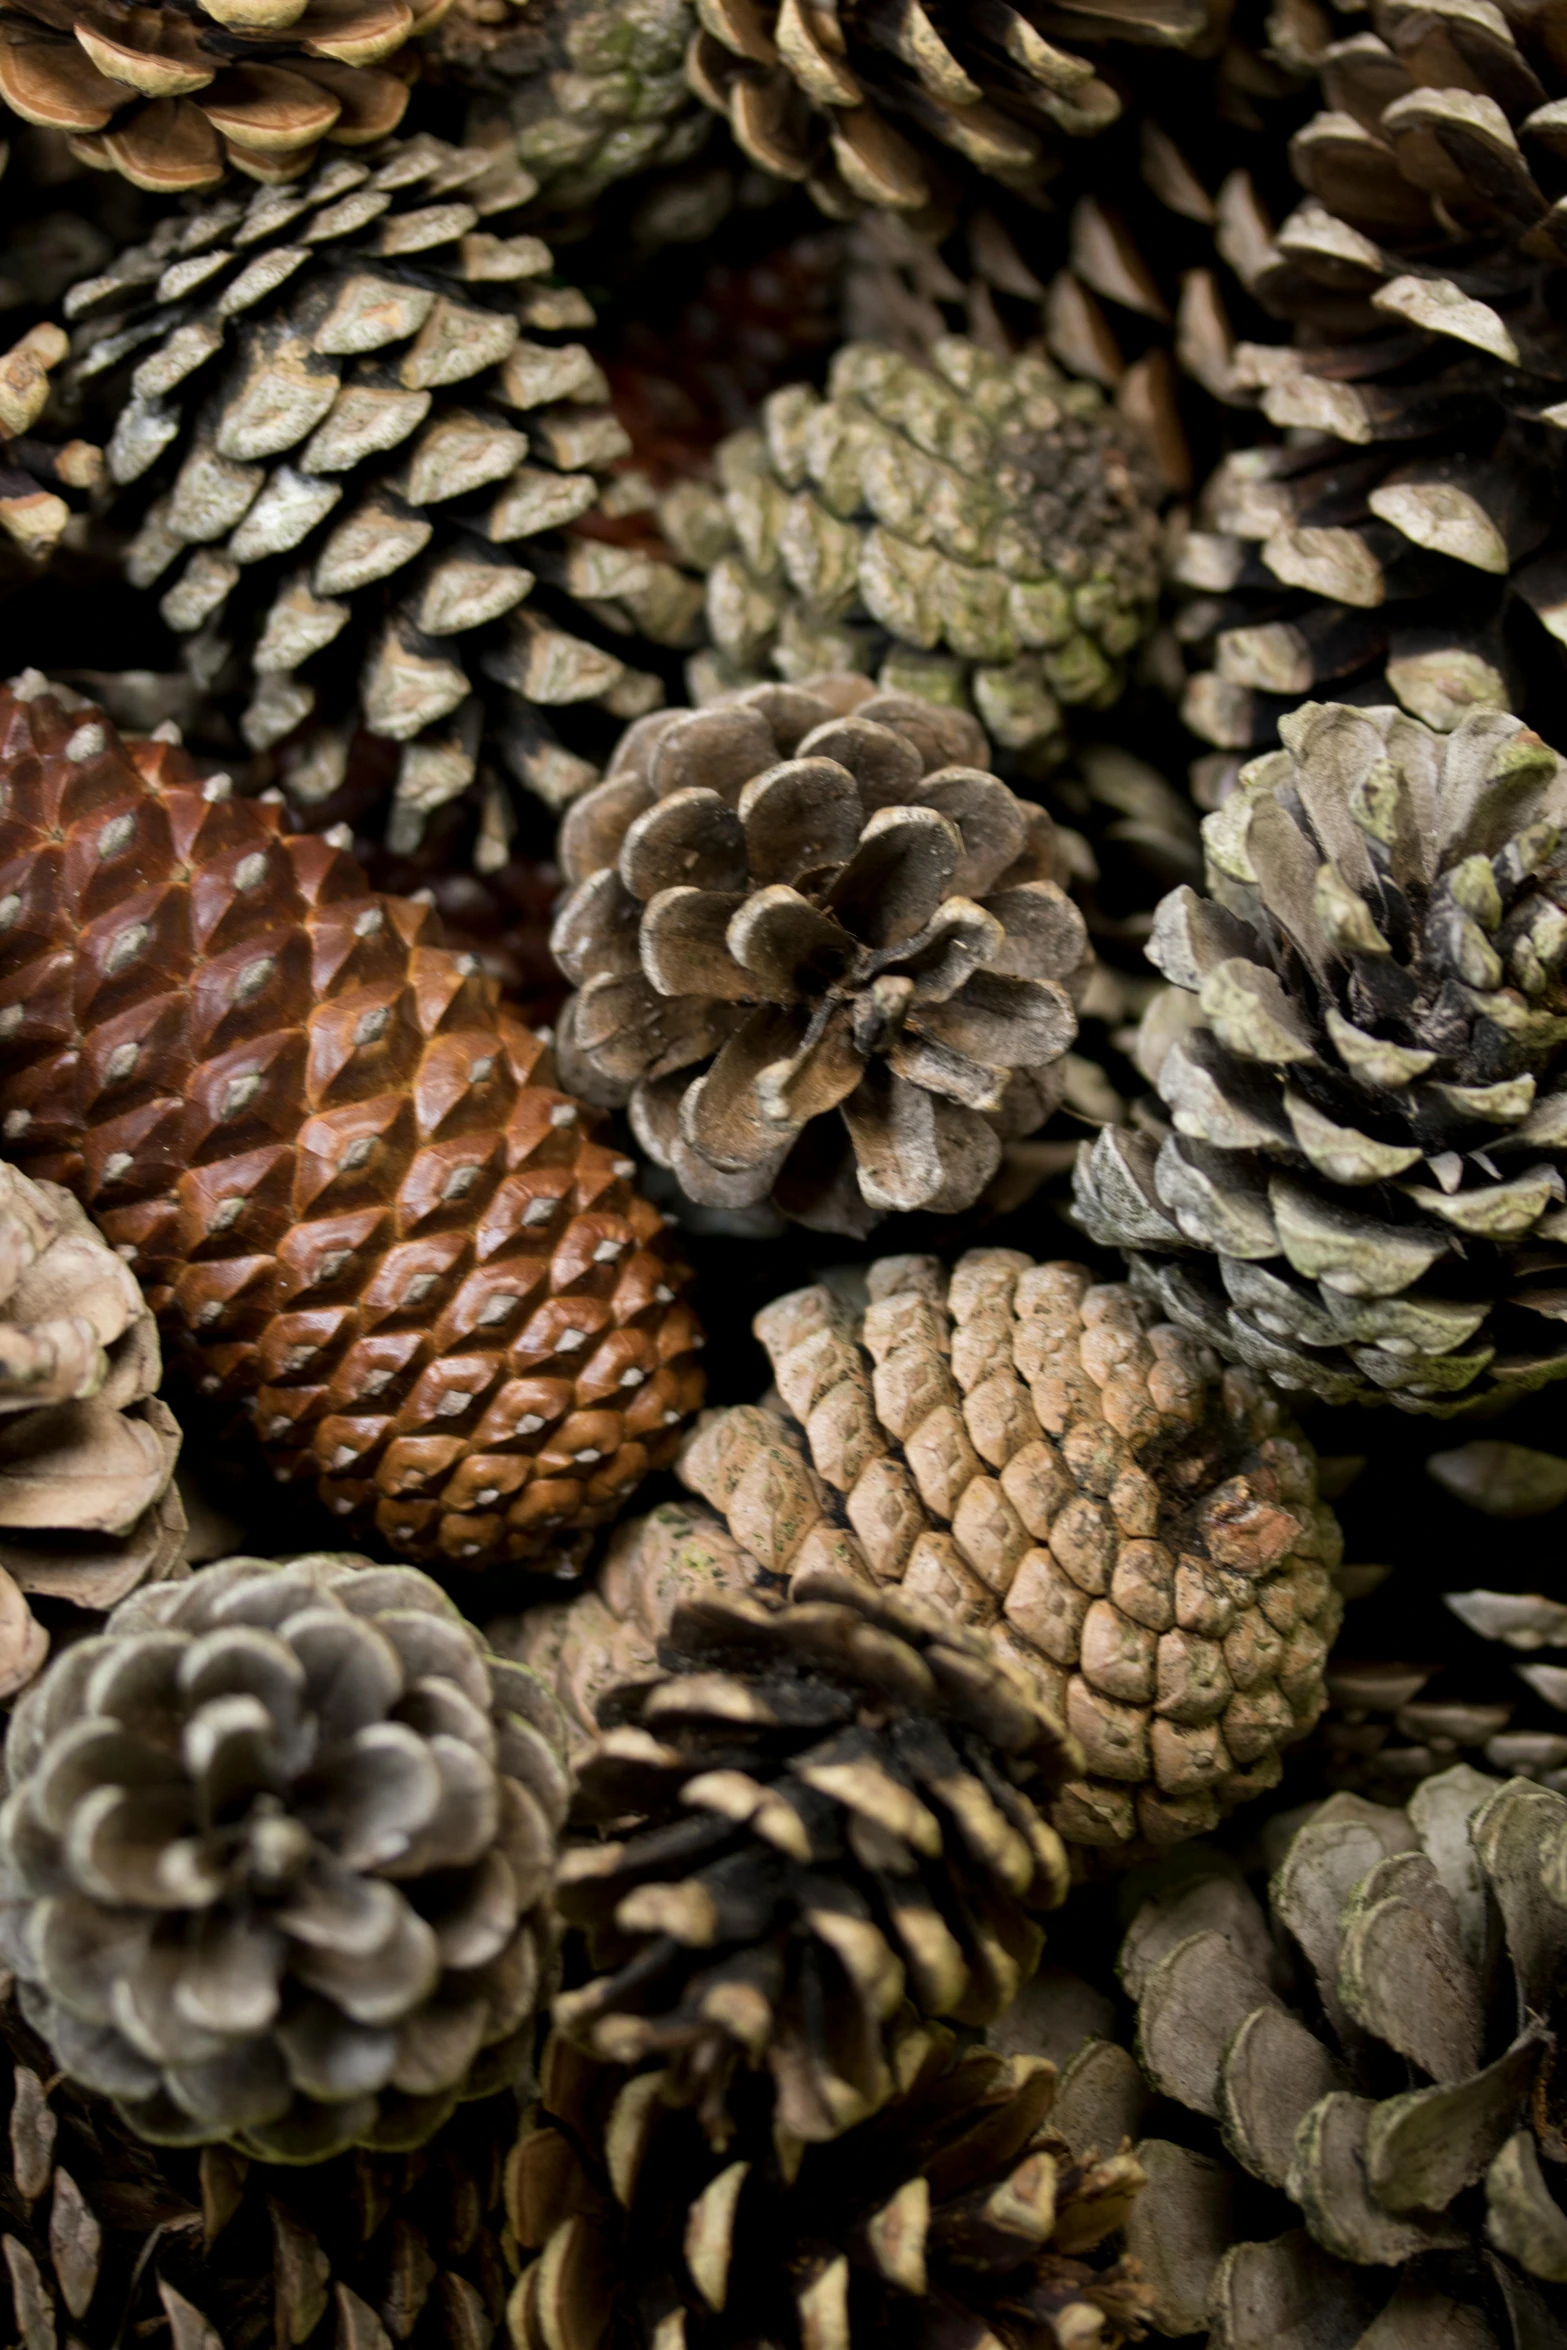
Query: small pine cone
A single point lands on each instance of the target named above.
(921, 1011)
(1362, 1195)
(977, 530)
(321, 442)
(342, 1171)
(88, 1509)
(172, 98)
(957, 2214)
(205, 1927)
(1034, 1455)
(827, 1825)
(33, 514)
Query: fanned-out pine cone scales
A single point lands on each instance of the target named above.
(1362, 1192)
(1038, 1457)
(826, 1821)
(341, 1169)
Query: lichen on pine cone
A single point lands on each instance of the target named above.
(1040, 1458)
(823, 955)
(275, 1857)
(875, 102)
(341, 1169)
(172, 98)
(353, 443)
(980, 530)
(958, 2213)
(1362, 1190)
(87, 1448)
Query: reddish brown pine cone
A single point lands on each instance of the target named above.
(341, 1168)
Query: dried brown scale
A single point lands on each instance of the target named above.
(822, 953)
(351, 433)
(342, 1171)
(958, 2214)
(825, 1821)
(1043, 1459)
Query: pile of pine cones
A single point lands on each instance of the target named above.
(783, 1173)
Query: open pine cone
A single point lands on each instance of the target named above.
(977, 529)
(822, 953)
(1362, 1194)
(322, 443)
(1036, 1456)
(957, 2214)
(87, 1449)
(275, 1857)
(342, 1170)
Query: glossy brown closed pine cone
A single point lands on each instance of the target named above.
(826, 1821)
(275, 1858)
(1037, 1455)
(87, 1449)
(352, 435)
(174, 97)
(342, 1171)
(821, 952)
(957, 2214)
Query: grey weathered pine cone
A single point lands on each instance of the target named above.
(1400, 537)
(827, 1823)
(1361, 1189)
(980, 529)
(1375, 2046)
(1042, 1459)
(958, 2214)
(275, 1858)
(88, 1508)
(354, 439)
(823, 955)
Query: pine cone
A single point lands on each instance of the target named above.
(979, 530)
(868, 105)
(1361, 1194)
(322, 442)
(957, 2214)
(1032, 1454)
(919, 1015)
(87, 1505)
(1404, 544)
(172, 97)
(203, 1925)
(33, 514)
(826, 1825)
(1412, 2119)
(341, 1170)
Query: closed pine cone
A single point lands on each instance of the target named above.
(1036, 1455)
(1362, 1194)
(822, 953)
(87, 1450)
(825, 1817)
(174, 97)
(275, 1857)
(980, 529)
(342, 1171)
(353, 442)
(957, 2214)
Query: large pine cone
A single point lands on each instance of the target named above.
(1405, 542)
(342, 1171)
(275, 1857)
(1378, 2046)
(1362, 1194)
(87, 1450)
(959, 2214)
(322, 438)
(826, 1825)
(1037, 1457)
(978, 529)
(819, 950)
